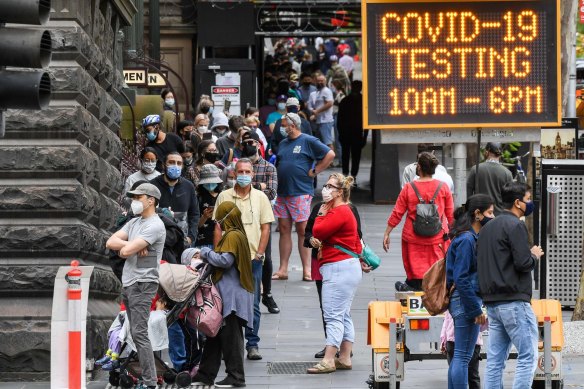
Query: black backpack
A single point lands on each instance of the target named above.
(428, 221)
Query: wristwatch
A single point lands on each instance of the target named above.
(260, 257)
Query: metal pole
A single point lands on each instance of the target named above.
(392, 352)
(2, 124)
(547, 351)
(459, 154)
(571, 109)
(477, 182)
(154, 29)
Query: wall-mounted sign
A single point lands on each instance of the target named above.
(143, 77)
(221, 94)
(446, 64)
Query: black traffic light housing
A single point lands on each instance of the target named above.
(24, 48)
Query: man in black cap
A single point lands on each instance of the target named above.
(491, 176)
(141, 242)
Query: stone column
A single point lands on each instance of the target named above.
(59, 185)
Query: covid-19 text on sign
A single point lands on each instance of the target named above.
(461, 64)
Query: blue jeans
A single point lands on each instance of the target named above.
(251, 336)
(176, 346)
(339, 284)
(465, 339)
(326, 133)
(511, 323)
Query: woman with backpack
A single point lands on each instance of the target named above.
(461, 274)
(232, 275)
(429, 206)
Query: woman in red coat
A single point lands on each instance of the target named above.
(419, 253)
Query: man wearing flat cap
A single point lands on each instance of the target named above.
(492, 176)
(140, 242)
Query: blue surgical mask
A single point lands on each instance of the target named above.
(243, 180)
(283, 132)
(173, 172)
(210, 187)
(529, 207)
(281, 106)
(210, 110)
(169, 102)
(151, 135)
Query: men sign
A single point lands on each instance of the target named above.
(440, 64)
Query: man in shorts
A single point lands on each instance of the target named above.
(140, 242)
(301, 158)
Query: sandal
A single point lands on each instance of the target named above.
(279, 277)
(307, 278)
(341, 366)
(321, 368)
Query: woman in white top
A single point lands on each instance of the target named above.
(147, 169)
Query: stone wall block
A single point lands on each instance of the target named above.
(69, 160)
(110, 180)
(72, 43)
(60, 123)
(110, 211)
(72, 241)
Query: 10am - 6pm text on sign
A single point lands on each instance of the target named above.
(440, 64)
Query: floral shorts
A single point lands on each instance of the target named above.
(296, 208)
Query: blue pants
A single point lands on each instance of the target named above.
(511, 323)
(339, 284)
(251, 336)
(176, 346)
(465, 339)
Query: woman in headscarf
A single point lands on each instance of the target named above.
(232, 276)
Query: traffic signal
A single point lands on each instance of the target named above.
(22, 49)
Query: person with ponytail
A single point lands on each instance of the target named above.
(335, 227)
(461, 274)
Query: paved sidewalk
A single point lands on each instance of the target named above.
(296, 333)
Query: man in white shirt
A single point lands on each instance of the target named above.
(347, 62)
(440, 174)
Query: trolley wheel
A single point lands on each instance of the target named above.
(114, 378)
(127, 381)
(541, 384)
(169, 377)
(183, 379)
(385, 385)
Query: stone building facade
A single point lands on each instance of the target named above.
(59, 184)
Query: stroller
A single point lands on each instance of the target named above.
(178, 284)
(126, 375)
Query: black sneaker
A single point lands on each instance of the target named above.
(229, 382)
(403, 287)
(269, 302)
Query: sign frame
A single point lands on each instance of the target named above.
(364, 33)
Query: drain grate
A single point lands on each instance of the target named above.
(289, 367)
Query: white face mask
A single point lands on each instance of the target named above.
(203, 129)
(137, 207)
(327, 195)
(148, 167)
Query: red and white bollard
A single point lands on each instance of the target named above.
(73, 279)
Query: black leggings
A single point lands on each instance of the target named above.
(268, 268)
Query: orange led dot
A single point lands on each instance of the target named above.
(398, 60)
(530, 95)
(514, 95)
(503, 59)
(434, 31)
(415, 65)
(417, 30)
(411, 107)
(463, 52)
(481, 62)
(466, 19)
(394, 100)
(384, 28)
(429, 100)
(440, 57)
(496, 102)
(451, 27)
(525, 65)
(450, 95)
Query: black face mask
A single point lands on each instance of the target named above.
(205, 110)
(249, 150)
(212, 157)
(306, 84)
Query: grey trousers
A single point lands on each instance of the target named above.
(137, 299)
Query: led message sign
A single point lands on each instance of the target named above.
(435, 64)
